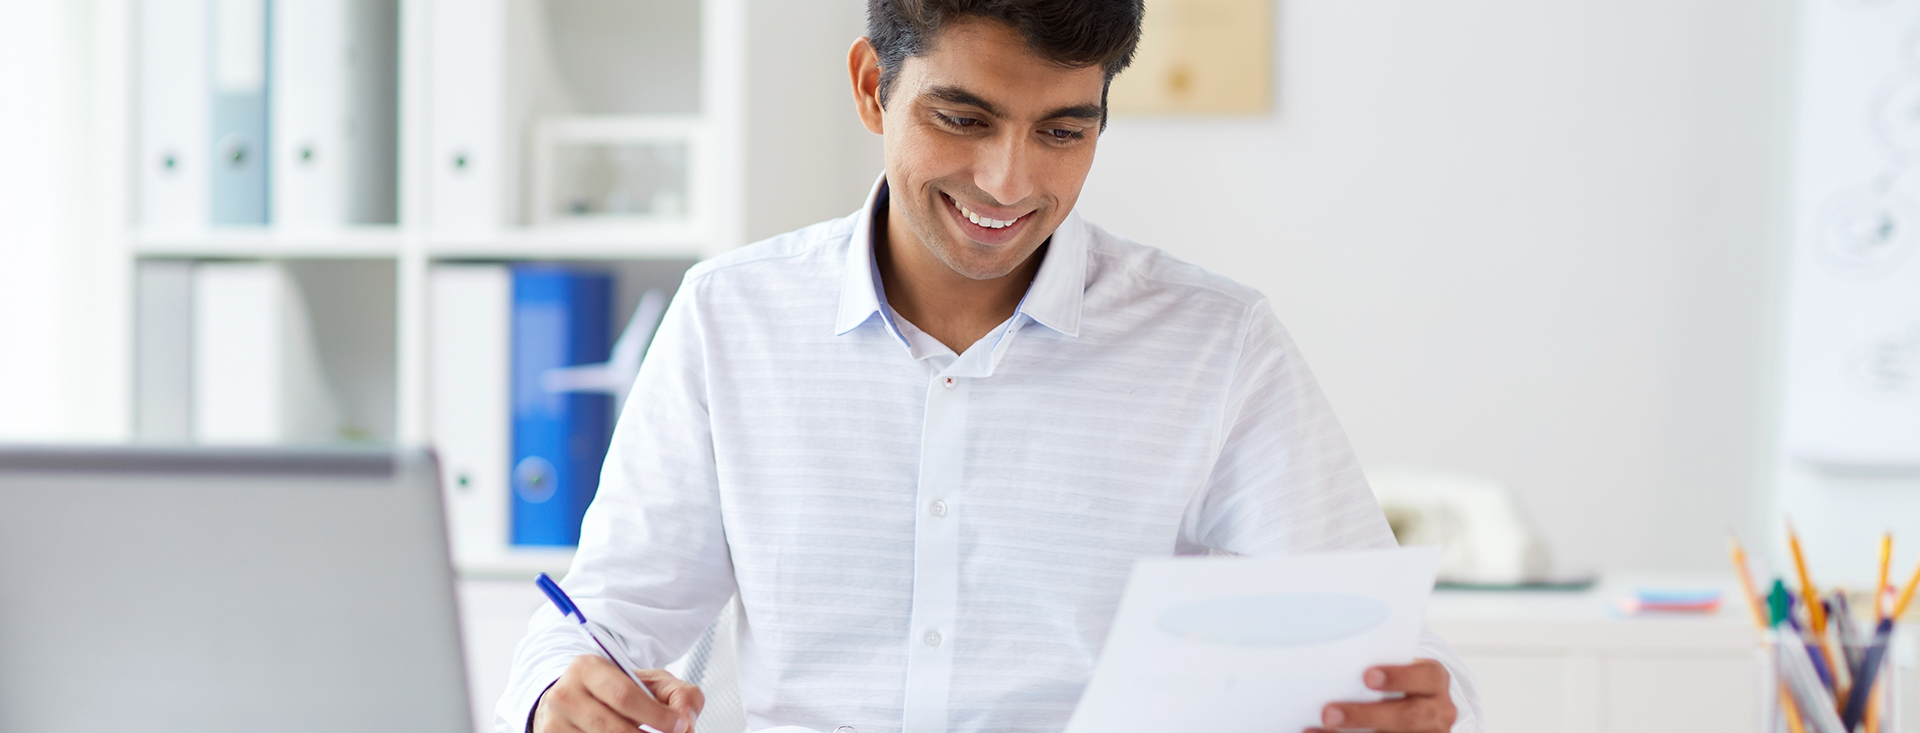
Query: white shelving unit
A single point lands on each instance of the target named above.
(475, 76)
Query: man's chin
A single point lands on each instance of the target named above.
(985, 268)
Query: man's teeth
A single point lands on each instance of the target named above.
(984, 221)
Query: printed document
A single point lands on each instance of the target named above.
(1254, 645)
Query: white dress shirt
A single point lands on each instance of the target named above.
(925, 541)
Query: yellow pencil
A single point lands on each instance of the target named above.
(1816, 613)
(1906, 595)
(1790, 710)
(1746, 582)
(1880, 588)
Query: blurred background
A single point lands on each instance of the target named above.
(1572, 251)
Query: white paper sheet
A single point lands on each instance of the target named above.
(1232, 644)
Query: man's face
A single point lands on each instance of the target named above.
(987, 146)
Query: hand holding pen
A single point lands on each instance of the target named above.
(598, 692)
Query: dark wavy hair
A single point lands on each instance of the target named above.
(1075, 34)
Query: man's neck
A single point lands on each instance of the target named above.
(955, 309)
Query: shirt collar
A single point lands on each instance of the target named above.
(1053, 300)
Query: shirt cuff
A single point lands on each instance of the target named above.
(535, 707)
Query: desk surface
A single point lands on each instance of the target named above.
(1591, 618)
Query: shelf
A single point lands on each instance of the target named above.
(548, 243)
(519, 564)
(268, 243)
(577, 242)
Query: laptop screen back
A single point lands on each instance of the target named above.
(225, 590)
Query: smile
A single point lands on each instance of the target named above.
(976, 218)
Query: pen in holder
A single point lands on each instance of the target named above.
(1803, 692)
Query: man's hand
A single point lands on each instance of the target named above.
(593, 696)
(1426, 706)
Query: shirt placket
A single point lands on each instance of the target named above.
(936, 552)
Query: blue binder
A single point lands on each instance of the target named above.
(561, 317)
(239, 59)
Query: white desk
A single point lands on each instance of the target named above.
(1546, 662)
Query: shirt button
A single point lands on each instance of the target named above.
(933, 638)
(939, 508)
(948, 382)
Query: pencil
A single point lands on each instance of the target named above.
(1906, 596)
(1791, 711)
(1880, 588)
(1746, 582)
(1816, 611)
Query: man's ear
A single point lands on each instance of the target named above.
(863, 67)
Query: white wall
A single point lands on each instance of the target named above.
(808, 157)
(1535, 240)
(63, 281)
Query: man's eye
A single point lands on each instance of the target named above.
(1064, 134)
(960, 122)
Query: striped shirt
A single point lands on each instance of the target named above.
(925, 541)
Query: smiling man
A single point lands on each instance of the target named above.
(924, 444)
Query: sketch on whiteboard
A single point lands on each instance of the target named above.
(1897, 117)
(1888, 367)
(1853, 331)
(1869, 232)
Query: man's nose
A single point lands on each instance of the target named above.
(1006, 172)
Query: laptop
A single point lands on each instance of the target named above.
(215, 590)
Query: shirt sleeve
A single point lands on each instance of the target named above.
(1286, 480)
(652, 567)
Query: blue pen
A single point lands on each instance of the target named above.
(565, 604)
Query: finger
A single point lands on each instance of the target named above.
(1423, 677)
(611, 686)
(575, 710)
(1410, 715)
(682, 696)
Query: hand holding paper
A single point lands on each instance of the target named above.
(1260, 644)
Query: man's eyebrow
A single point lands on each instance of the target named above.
(956, 95)
(1088, 112)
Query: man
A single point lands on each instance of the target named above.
(925, 443)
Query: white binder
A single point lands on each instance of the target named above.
(472, 162)
(173, 115)
(335, 126)
(468, 393)
(257, 378)
(163, 357)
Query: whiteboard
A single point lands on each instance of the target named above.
(1853, 330)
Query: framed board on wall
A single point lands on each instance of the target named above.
(1853, 329)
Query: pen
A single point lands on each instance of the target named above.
(1814, 700)
(1863, 682)
(1816, 611)
(565, 604)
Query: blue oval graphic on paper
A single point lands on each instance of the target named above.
(1286, 619)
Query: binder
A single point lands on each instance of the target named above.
(173, 112)
(257, 377)
(561, 318)
(335, 123)
(163, 357)
(469, 353)
(470, 170)
(238, 63)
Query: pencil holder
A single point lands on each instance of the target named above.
(1805, 688)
